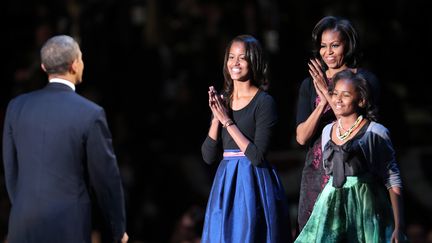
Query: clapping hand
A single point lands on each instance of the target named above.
(319, 80)
(217, 105)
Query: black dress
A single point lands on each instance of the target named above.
(247, 201)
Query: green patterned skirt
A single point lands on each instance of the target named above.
(360, 211)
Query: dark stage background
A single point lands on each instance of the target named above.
(149, 63)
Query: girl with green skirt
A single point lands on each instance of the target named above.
(362, 201)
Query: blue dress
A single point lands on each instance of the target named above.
(247, 202)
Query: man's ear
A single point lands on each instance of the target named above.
(43, 67)
(73, 66)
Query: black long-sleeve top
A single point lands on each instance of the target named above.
(256, 121)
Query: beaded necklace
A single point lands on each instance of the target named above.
(348, 132)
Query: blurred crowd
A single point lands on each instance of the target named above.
(149, 64)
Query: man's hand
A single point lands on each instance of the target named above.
(125, 238)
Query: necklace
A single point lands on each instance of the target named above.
(348, 132)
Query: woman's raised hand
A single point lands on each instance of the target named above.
(217, 106)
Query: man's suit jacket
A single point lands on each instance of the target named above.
(56, 145)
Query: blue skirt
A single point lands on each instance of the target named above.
(247, 203)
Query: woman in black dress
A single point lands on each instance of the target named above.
(336, 48)
(247, 201)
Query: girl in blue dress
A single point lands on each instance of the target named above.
(247, 202)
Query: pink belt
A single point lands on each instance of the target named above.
(233, 154)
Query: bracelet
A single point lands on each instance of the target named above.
(228, 123)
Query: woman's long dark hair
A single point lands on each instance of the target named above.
(257, 64)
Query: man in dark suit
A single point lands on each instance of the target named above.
(56, 146)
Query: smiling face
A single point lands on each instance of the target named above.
(332, 49)
(346, 98)
(237, 64)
